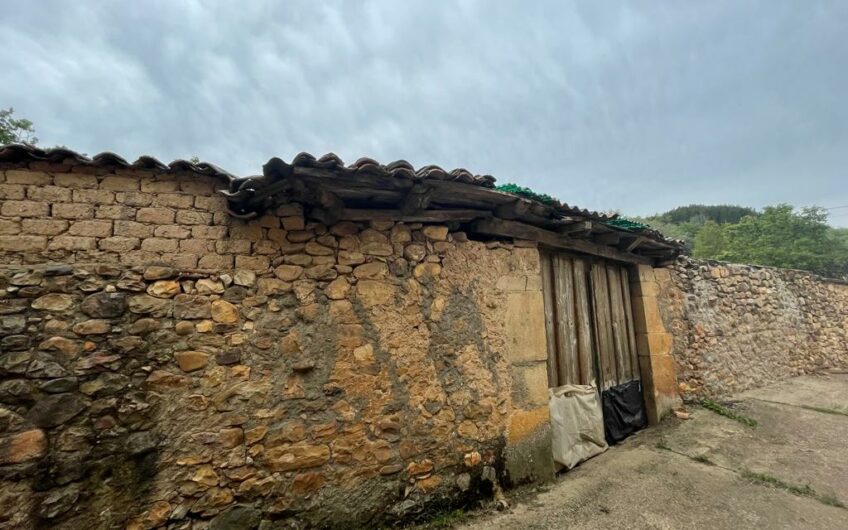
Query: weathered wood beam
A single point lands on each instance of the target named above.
(427, 216)
(513, 229)
(610, 238)
(513, 210)
(633, 244)
(416, 199)
(579, 227)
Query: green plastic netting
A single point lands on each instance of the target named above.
(515, 189)
(619, 222)
(627, 224)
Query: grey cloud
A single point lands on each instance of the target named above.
(610, 105)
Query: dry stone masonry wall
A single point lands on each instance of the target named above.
(163, 365)
(736, 327)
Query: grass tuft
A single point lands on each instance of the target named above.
(825, 410)
(446, 520)
(721, 410)
(703, 460)
(801, 491)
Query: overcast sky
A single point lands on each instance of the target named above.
(629, 106)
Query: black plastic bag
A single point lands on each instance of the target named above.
(624, 411)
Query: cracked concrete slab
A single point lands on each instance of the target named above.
(695, 473)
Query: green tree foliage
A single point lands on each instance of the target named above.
(699, 214)
(779, 236)
(15, 130)
(709, 242)
(685, 222)
(782, 237)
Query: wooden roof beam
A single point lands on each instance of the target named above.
(426, 216)
(514, 229)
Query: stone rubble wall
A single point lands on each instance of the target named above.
(737, 327)
(163, 365)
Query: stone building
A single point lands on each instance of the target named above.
(321, 345)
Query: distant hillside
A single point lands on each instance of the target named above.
(777, 236)
(701, 213)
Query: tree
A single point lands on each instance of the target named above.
(15, 130)
(709, 241)
(781, 237)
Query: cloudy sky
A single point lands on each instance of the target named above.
(629, 106)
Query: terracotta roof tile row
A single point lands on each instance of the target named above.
(20, 153)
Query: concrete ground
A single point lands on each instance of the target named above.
(790, 471)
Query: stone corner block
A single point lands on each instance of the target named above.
(525, 327)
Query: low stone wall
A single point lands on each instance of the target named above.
(162, 362)
(736, 327)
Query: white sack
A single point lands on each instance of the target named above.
(577, 423)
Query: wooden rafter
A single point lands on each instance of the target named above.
(514, 229)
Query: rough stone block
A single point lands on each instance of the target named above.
(644, 273)
(134, 198)
(157, 216)
(159, 244)
(659, 343)
(646, 315)
(254, 263)
(215, 261)
(173, 200)
(530, 385)
(119, 183)
(49, 193)
(183, 260)
(529, 455)
(251, 232)
(160, 184)
(209, 232)
(172, 231)
(94, 196)
(132, 229)
(199, 185)
(12, 192)
(91, 228)
(646, 288)
(119, 243)
(72, 243)
(19, 243)
(197, 246)
(525, 327)
(293, 223)
(22, 447)
(76, 181)
(114, 212)
(8, 227)
(193, 217)
(73, 211)
(25, 209)
(213, 204)
(46, 227)
(139, 257)
(24, 176)
(232, 246)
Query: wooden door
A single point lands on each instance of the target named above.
(588, 321)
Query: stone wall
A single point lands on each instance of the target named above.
(736, 327)
(165, 365)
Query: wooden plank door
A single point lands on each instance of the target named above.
(568, 320)
(588, 320)
(613, 321)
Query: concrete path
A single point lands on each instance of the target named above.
(790, 471)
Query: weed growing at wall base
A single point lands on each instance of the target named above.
(721, 410)
(802, 491)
